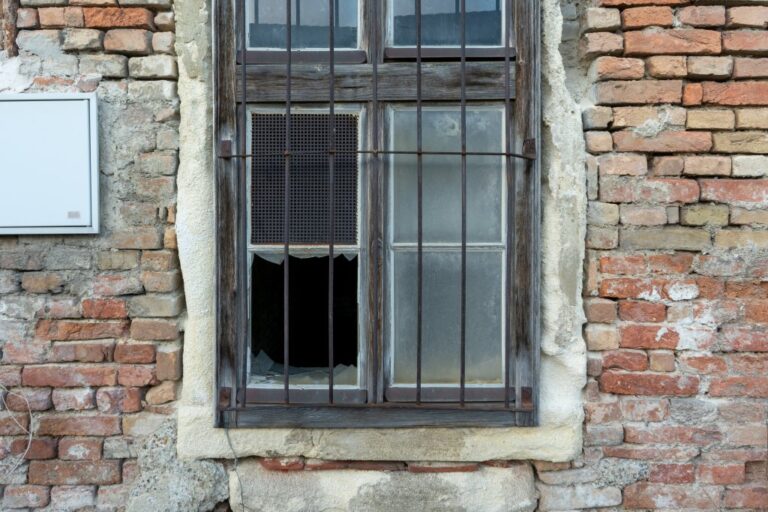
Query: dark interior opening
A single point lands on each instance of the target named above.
(308, 308)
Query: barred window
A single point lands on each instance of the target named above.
(378, 211)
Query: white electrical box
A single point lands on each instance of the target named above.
(49, 164)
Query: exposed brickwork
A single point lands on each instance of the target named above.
(83, 319)
(674, 286)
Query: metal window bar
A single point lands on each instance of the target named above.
(510, 348)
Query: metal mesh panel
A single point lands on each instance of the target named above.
(309, 221)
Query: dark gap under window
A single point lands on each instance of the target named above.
(308, 319)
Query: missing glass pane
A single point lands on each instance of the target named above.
(309, 27)
(441, 23)
(308, 317)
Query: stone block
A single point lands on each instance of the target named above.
(153, 67)
(76, 39)
(108, 66)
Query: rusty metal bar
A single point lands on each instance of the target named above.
(331, 187)
(374, 397)
(420, 207)
(287, 215)
(386, 152)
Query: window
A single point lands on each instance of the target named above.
(378, 213)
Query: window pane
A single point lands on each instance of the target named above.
(441, 22)
(442, 176)
(441, 347)
(309, 24)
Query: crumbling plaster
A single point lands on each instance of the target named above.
(559, 436)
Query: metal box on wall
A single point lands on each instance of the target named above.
(49, 164)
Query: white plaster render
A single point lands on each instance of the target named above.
(558, 437)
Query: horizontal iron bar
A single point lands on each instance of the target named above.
(371, 152)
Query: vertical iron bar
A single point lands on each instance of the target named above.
(256, 12)
(509, 312)
(524, 168)
(337, 17)
(463, 326)
(287, 212)
(298, 14)
(420, 210)
(331, 192)
(374, 57)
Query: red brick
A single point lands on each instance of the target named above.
(721, 474)
(25, 496)
(40, 448)
(635, 311)
(748, 16)
(68, 376)
(644, 409)
(82, 352)
(113, 400)
(640, 17)
(80, 330)
(678, 263)
(617, 68)
(664, 142)
(748, 364)
(648, 336)
(10, 375)
(703, 363)
(682, 454)
(672, 473)
(134, 353)
(147, 329)
(283, 464)
(752, 497)
(600, 310)
(633, 360)
(735, 93)
(741, 192)
(622, 383)
(744, 339)
(661, 361)
(675, 41)
(692, 95)
(115, 17)
(80, 448)
(750, 68)
(702, 16)
(639, 92)
(672, 435)
(105, 308)
(752, 387)
(746, 42)
(645, 495)
(601, 43)
(622, 264)
(169, 365)
(104, 472)
(136, 376)
(80, 425)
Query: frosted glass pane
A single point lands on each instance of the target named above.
(441, 318)
(309, 27)
(441, 22)
(442, 176)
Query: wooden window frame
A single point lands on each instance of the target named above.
(265, 83)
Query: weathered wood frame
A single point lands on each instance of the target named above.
(485, 81)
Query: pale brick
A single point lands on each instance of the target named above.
(704, 214)
(741, 216)
(702, 16)
(153, 67)
(707, 165)
(709, 119)
(601, 337)
(601, 43)
(639, 91)
(602, 237)
(82, 39)
(599, 142)
(597, 19)
(755, 118)
(667, 66)
(27, 18)
(156, 305)
(628, 117)
(118, 260)
(602, 213)
(679, 238)
(710, 67)
(597, 117)
(165, 21)
(740, 142)
(107, 66)
(622, 164)
(643, 215)
(616, 68)
(750, 166)
(163, 42)
(732, 239)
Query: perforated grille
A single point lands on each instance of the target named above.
(309, 219)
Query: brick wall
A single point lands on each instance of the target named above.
(89, 324)
(677, 298)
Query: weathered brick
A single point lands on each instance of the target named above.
(601, 43)
(640, 311)
(752, 193)
(103, 472)
(643, 215)
(754, 118)
(68, 376)
(632, 360)
(599, 19)
(735, 93)
(601, 337)
(79, 39)
(134, 353)
(624, 383)
(641, 17)
(74, 399)
(600, 310)
(115, 17)
(25, 496)
(82, 352)
(710, 67)
(80, 425)
(707, 165)
(679, 238)
(744, 67)
(667, 66)
(675, 41)
(80, 330)
(702, 16)
(114, 400)
(169, 364)
(105, 308)
(627, 117)
(704, 215)
(150, 329)
(710, 119)
(664, 142)
(672, 473)
(638, 92)
(616, 68)
(745, 42)
(80, 448)
(748, 16)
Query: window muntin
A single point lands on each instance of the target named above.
(441, 236)
(441, 23)
(309, 27)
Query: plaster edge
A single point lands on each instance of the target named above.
(563, 367)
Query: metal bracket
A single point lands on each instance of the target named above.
(225, 148)
(225, 395)
(529, 149)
